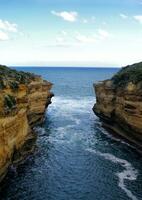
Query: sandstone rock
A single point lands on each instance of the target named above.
(120, 107)
(21, 108)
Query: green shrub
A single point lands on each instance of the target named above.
(130, 73)
(9, 102)
(14, 85)
(2, 86)
(13, 77)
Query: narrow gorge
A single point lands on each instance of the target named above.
(74, 157)
(23, 100)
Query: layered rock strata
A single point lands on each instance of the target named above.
(23, 100)
(119, 104)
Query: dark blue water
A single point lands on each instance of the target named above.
(76, 158)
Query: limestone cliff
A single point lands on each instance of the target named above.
(119, 103)
(23, 100)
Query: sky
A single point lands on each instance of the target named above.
(94, 33)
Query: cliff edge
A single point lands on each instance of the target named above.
(23, 100)
(119, 104)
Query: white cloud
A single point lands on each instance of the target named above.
(89, 20)
(85, 39)
(3, 36)
(7, 26)
(64, 33)
(67, 16)
(103, 34)
(60, 39)
(123, 16)
(138, 18)
(65, 40)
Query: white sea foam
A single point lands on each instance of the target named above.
(105, 132)
(129, 172)
(77, 121)
(71, 109)
(63, 130)
(69, 105)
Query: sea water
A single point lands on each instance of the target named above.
(76, 158)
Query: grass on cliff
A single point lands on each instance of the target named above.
(13, 78)
(130, 73)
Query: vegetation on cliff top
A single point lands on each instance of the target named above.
(130, 73)
(13, 78)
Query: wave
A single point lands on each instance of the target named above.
(72, 105)
(110, 136)
(129, 172)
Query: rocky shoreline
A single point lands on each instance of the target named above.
(119, 104)
(24, 98)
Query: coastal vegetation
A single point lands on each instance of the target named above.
(12, 78)
(130, 73)
(9, 102)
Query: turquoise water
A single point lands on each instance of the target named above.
(76, 158)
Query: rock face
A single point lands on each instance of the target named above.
(23, 100)
(119, 103)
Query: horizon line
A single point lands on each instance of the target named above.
(26, 66)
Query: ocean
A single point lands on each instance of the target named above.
(76, 158)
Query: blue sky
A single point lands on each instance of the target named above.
(70, 33)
